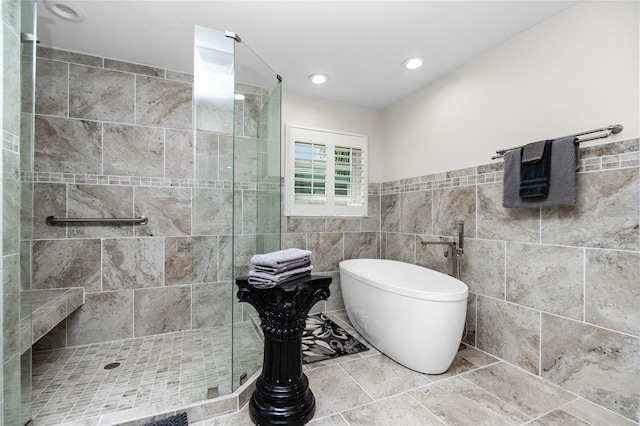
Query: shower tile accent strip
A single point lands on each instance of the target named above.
(53, 177)
(83, 179)
(616, 155)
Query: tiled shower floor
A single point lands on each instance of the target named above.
(166, 370)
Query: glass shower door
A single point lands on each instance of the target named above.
(16, 110)
(213, 91)
(257, 191)
(237, 115)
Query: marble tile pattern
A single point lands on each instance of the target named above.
(11, 202)
(162, 102)
(605, 216)
(161, 310)
(190, 260)
(529, 267)
(607, 303)
(207, 156)
(99, 201)
(49, 199)
(143, 157)
(498, 223)
(486, 391)
(50, 307)
(105, 316)
(67, 263)
(573, 353)
(67, 145)
(52, 89)
(158, 374)
(101, 94)
(168, 210)
(11, 87)
(129, 263)
(484, 267)
(401, 247)
(505, 313)
(116, 139)
(415, 214)
(545, 277)
(179, 159)
(509, 331)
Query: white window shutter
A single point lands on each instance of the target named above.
(326, 173)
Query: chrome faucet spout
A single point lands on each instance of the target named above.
(457, 248)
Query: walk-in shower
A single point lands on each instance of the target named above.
(198, 155)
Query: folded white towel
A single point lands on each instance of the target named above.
(278, 259)
(265, 280)
(280, 278)
(305, 261)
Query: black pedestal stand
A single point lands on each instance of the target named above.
(282, 395)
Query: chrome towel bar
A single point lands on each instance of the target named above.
(52, 220)
(613, 129)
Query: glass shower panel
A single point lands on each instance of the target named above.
(27, 84)
(256, 173)
(269, 186)
(16, 110)
(237, 102)
(213, 207)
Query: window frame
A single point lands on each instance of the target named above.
(331, 206)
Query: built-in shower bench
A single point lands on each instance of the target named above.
(49, 307)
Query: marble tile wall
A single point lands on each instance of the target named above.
(116, 139)
(334, 239)
(555, 291)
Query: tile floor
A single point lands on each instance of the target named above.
(370, 389)
(71, 385)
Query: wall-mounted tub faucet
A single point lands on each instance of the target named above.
(457, 248)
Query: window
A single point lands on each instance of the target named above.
(326, 173)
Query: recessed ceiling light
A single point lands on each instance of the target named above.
(413, 63)
(65, 10)
(318, 78)
(238, 97)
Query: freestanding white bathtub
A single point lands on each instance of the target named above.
(412, 314)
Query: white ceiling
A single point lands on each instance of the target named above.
(359, 44)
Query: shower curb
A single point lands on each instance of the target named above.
(196, 412)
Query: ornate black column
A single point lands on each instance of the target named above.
(282, 395)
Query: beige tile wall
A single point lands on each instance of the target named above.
(555, 291)
(115, 139)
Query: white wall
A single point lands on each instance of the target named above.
(329, 115)
(577, 71)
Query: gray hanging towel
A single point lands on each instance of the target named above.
(533, 152)
(562, 179)
(535, 170)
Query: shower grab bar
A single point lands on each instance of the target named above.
(613, 129)
(52, 220)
